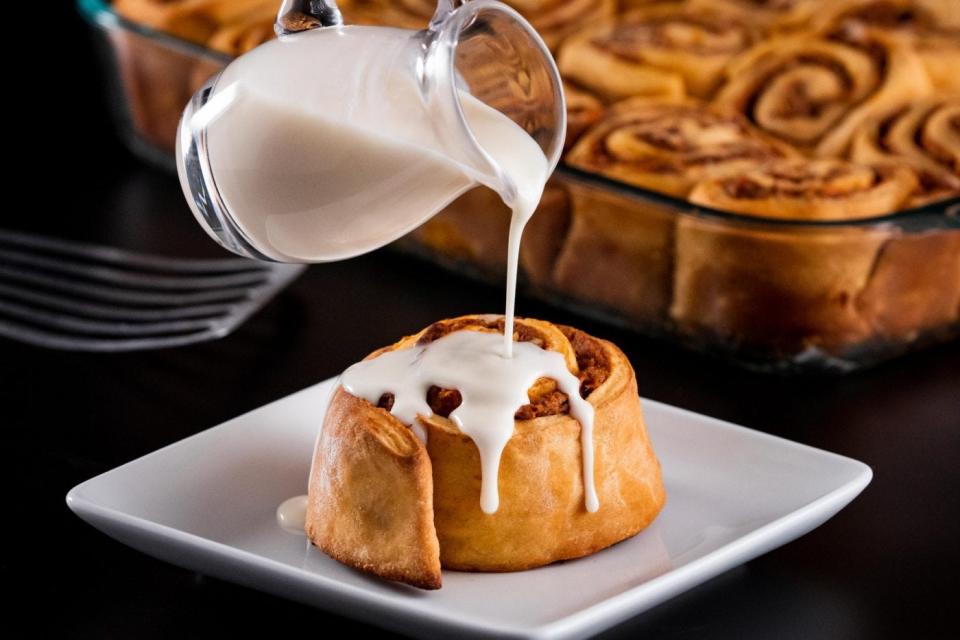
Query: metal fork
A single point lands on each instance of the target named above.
(69, 295)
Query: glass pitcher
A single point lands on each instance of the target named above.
(334, 140)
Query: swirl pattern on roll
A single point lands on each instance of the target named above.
(814, 92)
(242, 35)
(661, 50)
(932, 27)
(803, 189)
(553, 19)
(924, 135)
(583, 111)
(766, 13)
(366, 457)
(670, 146)
(198, 20)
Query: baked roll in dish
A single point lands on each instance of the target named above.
(553, 19)
(814, 92)
(931, 26)
(769, 14)
(583, 111)
(385, 501)
(670, 146)
(785, 289)
(194, 20)
(804, 189)
(159, 80)
(923, 135)
(914, 288)
(474, 229)
(246, 32)
(616, 256)
(620, 256)
(665, 50)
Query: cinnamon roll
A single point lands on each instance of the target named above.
(815, 92)
(785, 289)
(618, 255)
(932, 26)
(915, 286)
(923, 135)
(665, 50)
(159, 80)
(405, 14)
(553, 19)
(765, 13)
(193, 20)
(246, 32)
(583, 110)
(670, 146)
(473, 229)
(824, 189)
(385, 501)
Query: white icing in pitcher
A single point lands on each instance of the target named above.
(492, 388)
(315, 170)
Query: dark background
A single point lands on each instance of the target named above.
(884, 567)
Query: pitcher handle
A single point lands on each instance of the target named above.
(444, 8)
(303, 15)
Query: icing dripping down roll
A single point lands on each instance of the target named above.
(383, 500)
(482, 392)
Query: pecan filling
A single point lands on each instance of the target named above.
(545, 398)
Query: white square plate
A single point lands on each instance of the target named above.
(207, 503)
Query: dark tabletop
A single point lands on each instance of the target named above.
(886, 566)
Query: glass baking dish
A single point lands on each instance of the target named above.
(771, 294)
(150, 75)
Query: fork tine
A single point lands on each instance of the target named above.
(94, 310)
(100, 327)
(128, 258)
(54, 340)
(57, 294)
(123, 296)
(130, 278)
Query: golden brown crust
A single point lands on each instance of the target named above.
(371, 495)
(800, 189)
(931, 26)
(768, 14)
(545, 234)
(779, 291)
(923, 135)
(583, 111)
(541, 518)
(193, 20)
(814, 92)
(664, 49)
(670, 146)
(914, 286)
(553, 19)
(618, 255)
(392, 524)
(475, 227)
(785, 289)
(246, 32)
(159, 80)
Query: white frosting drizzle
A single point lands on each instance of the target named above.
(292, 514)
(492, 388)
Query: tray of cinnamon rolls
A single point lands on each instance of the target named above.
(774, 181)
